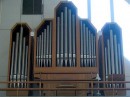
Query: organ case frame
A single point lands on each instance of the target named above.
(112, 77)
(15, 29)
(54, 72)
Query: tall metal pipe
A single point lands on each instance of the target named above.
(61, 63)
(47, 44)
(74, 36)
(87, 55)
(89, 48)
(81, 39)
(38, 51)
(84, 31)
(26, 65)
(109, 59)
(44, 57)
(119, 59)
(16, 58)
(92, 53)
(106, 65)
(50, 43)
(23, 63)
(112, 52)
(94, 50)
(116, 56)
(58, 36)
(12, 64)
(70, 36)
(66, 36)
(42, 54)
(20, 56)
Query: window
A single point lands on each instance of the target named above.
(32, 6)
(100, 10)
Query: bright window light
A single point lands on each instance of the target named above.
(100, 14)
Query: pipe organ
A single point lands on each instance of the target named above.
(66, 50)
(87, 44)
(59, 51)
(65, 37)
(19, 57)
(112, 55)
(43, 45)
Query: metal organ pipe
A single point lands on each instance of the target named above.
(116, 56)
(73, 32)
(66, 28)
(84, 57)
(61, 63)
(16, 59)
(112, 52)
(70, 36)
(58, 36)
(45, 47)
(81, 39)
(50, 43)
(12, 64)
(38, 51)
(42, 53)
(26, 65)
(23, 63)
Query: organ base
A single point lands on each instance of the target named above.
(17, 93)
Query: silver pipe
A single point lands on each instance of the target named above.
(87, 42)
(23, 63)
(16, 59)
(92, 53)
(109, 59)
(84, 45)
(42, 54)
(12, 64)
(61, 39)
(106, 65)
(66, 40)
(38, 51)
(116, 56)
(20, 56)
(89, 48)
(26, 65)
(74, 36)
(112, 52)
(81, 39)
(44, 47)
(94, 39)
(70, 37)
(47, 50)
(50, 38)
(58, 32)
(119, 59)
(106, 61)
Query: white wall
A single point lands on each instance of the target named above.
(10, 13)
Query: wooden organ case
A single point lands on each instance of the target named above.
(65, 50)
(19, 59)
(112, 60)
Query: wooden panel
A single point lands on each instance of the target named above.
(65, 76)
(17, 93)
(66, 70)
